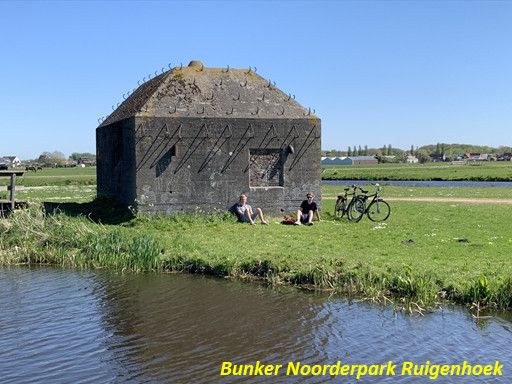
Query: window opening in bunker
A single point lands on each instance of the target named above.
(266, 167)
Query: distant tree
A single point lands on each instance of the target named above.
(359, 151)
(390, 150)
(365, 153)
(58, 155)
(412, 150)
(77, 155)
(349, 152)
(400, 156)
(51, 159)
(423, 156)
(438, 149)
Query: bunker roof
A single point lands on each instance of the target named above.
(201, 92)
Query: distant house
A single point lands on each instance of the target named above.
(507, 156)
(476, 156)
(410, 159)
(349, 160)
(86, 161)
(11, 161)
(361, 160)
(333, 160)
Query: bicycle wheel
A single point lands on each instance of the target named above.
(340, 208)
(356, 209)
(378, 210)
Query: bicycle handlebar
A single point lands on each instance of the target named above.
(355, 187)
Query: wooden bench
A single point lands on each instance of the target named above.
(9, 205)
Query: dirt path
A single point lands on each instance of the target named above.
(464, 200)
(427, 199)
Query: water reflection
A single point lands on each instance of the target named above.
(67, 326)
(192, 330)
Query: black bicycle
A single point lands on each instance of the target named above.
(372, 205)
(343, 205)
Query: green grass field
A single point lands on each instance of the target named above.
(424, 254)
(56, 176)
(83, 193)
(483, 171)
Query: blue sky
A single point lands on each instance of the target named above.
(376, 72)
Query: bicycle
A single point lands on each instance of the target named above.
(343, 206)
(377, 209)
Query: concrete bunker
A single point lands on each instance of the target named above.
(194, 138)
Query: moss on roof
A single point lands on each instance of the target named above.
(198, 91)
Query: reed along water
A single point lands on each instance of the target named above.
(64, 326)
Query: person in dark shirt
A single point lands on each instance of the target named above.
(307, 209)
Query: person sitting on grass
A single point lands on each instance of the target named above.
(245, 213)
(307, 209)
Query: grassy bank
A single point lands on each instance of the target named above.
(423, 255)
(483, 171)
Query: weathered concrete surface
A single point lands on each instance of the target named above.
(195, 138)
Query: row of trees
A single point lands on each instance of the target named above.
(57, 158)
(386, 150)
(387, 153)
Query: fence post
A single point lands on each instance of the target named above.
(13, 188)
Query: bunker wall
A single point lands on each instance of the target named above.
(115, 161)
(191, 164)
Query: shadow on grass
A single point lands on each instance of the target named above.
(100, 210)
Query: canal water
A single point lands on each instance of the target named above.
(65, 326)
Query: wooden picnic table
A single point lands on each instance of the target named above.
(12, 187)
